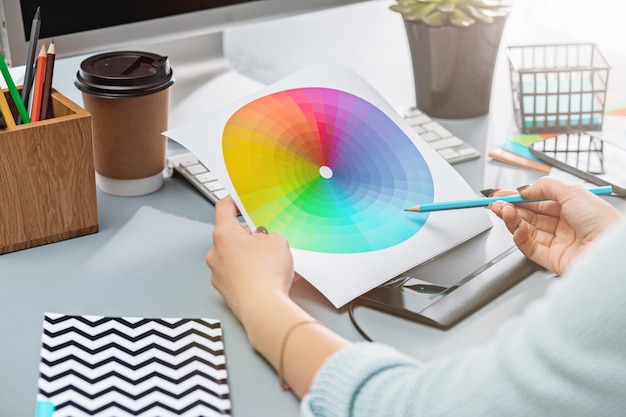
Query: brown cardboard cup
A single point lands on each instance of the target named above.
(127, 94)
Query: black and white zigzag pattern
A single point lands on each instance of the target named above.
(124, 366)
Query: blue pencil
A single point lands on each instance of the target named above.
(483, 202)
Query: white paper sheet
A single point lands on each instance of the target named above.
(378, 173)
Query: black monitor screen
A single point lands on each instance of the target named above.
(60, 17)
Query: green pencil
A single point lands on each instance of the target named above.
(19, 104)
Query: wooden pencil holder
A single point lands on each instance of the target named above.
(47, 179)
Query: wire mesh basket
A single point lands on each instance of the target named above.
(557, 88)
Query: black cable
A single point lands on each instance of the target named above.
(354, 323)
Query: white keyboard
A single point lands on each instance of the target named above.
(451, 148)
(194, 171)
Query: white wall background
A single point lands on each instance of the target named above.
(599, 21)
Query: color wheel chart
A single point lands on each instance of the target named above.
(327, 169)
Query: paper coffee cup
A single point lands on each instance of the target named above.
(127, 94)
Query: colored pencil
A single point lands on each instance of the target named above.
(30, 57)
(5, 109)
(15, 95)
(483, 202)
(38, 86)
(46, 98)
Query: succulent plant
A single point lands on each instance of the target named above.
(460, 13)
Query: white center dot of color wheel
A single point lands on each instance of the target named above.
(326, 172)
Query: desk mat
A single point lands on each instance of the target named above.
(130, 366)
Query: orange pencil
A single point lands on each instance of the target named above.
(46, 98)
(38, 88)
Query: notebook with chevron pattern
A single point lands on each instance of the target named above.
(129, 366)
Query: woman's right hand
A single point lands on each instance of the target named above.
(554, 232)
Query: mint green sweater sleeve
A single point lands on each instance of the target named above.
(565, 356)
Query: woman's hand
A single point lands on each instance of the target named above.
(554, 232)
(254, 271)
(247, 267)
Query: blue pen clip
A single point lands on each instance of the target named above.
(45, 409)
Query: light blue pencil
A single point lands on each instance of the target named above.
(483, 202)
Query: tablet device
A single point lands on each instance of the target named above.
(452, 286)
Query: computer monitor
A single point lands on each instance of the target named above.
(80, 27)
(189, 32)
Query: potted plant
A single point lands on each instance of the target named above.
(454, 45)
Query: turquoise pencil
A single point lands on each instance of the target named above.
(19, 104)
(483, 202)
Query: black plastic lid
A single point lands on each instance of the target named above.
(124, 74)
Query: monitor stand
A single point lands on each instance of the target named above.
(204, 78)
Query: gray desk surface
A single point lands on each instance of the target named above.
(37, 280)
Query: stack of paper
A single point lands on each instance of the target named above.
(515, 152)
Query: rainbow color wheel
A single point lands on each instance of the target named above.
(327, 169)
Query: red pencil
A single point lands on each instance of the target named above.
(46, 97)
(38, 88)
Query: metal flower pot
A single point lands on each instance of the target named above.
(453, 67)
